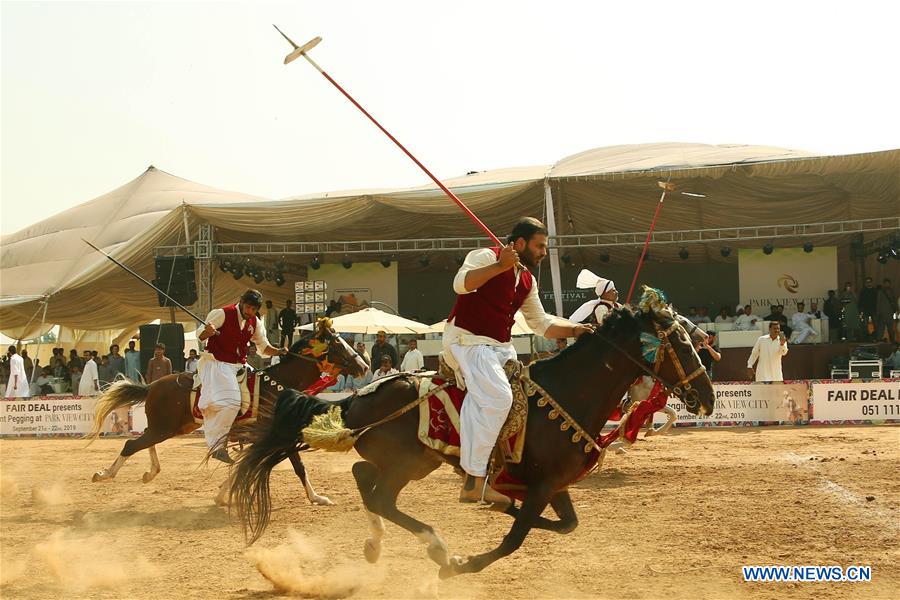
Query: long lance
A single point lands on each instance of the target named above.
(666, 187)
(158, 291)
(299, 51)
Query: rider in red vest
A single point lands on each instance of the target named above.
(228, 333)
(493, 283)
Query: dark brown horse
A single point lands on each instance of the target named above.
(586, 381)
(167, 400)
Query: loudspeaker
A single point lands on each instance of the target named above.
(175, 275)
(170, 334)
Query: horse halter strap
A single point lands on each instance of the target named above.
(684, 381)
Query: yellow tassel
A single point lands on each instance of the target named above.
(327, 432)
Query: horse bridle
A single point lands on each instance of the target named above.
(691, 398)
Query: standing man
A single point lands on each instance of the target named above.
(413, 359)
(868, 303)
(159, 366)
(885, 304)
(132, 362)
(800, 321)
(17, 386)
(492, 284)
(271, 321)
(228, 333)
(383, 347)
(287, 319)
(90, 377)
(833, 313)
(768, 349)
(116, 361)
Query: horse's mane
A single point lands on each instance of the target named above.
(620, 320)
(302, 342)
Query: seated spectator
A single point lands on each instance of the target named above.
(190, 365)
(746, 320)
(386, 369)
(692, 314)
(340, 385)
(801, 324)
(253, 358)
(41, 385)
(357, 383)
(893, 361)
(561, 344)
(723, 316)
(776, 313)
(814, 309)
(703, 317)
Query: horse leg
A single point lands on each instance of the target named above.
(561, 503)
(536, 500)
(107, 474)
(311, 494)
(671, 417)
(383, 503)
(154, 466)
(366, 474)
(222, 497)
(131, 446)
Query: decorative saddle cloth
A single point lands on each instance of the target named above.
(249, 398)
(439, 414)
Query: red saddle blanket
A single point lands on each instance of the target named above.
(249, 402)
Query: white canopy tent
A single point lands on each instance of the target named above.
(370, 321)
(602, 191)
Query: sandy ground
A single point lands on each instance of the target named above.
(676, 518)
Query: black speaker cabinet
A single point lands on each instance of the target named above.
(170, 334)
(176, 276)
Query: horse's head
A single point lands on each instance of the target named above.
(669, 350)
(331, 352)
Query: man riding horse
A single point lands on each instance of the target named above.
(492, 284)
(228, 332)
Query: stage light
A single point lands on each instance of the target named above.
(725, 251)
(315, 263)
(385, 262)
(883, 256)
(268, 275)
(604, 257)
(424, 260)
(347, 263)
(683, 254)
(237, 272)
(567, 259)
(768, 249)
(259, 278)
(279, 265)
(223, 266)
(279, 279)
(808, 247)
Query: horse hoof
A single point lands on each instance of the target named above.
(372, 550)
(322, 501)
(99, 476)
(452, 568)
(148, 477)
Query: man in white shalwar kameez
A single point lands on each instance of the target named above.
(90, 377)
(492, 284)
(17, 387)
(768, 350)
(603, 304)
(228, 333)
(800, 323)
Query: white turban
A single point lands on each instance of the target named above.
(586, 279)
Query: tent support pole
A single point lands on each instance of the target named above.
(38, 351)
(554, 252)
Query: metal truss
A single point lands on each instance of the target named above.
(203, 252)
(593, 240)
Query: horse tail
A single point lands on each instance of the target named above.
(120, 394)
(249, 493)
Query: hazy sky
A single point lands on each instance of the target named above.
(93, 93)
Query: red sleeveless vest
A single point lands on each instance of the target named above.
(491, 309)
(231, 344)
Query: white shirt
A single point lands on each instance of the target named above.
(190, 365)
(90, 380)
(769, 353)
(726, 319)
(17, 367)
(379, 374)
(532, 309)
(216, 317)
(412, 361)
(744, 322)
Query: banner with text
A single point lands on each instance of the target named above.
(787, 276)
(751, 402)
(49, 415)
(856, 401)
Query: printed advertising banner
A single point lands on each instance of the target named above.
(48, 415)
(856, 401)
(737, 403)
(787, 276)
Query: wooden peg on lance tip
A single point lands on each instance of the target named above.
(298, 50)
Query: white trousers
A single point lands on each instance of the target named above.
(220, 398)
(487, 404)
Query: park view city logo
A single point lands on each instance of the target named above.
(788, 283)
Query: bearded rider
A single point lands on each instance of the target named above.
(492, 284)
(228, 332)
